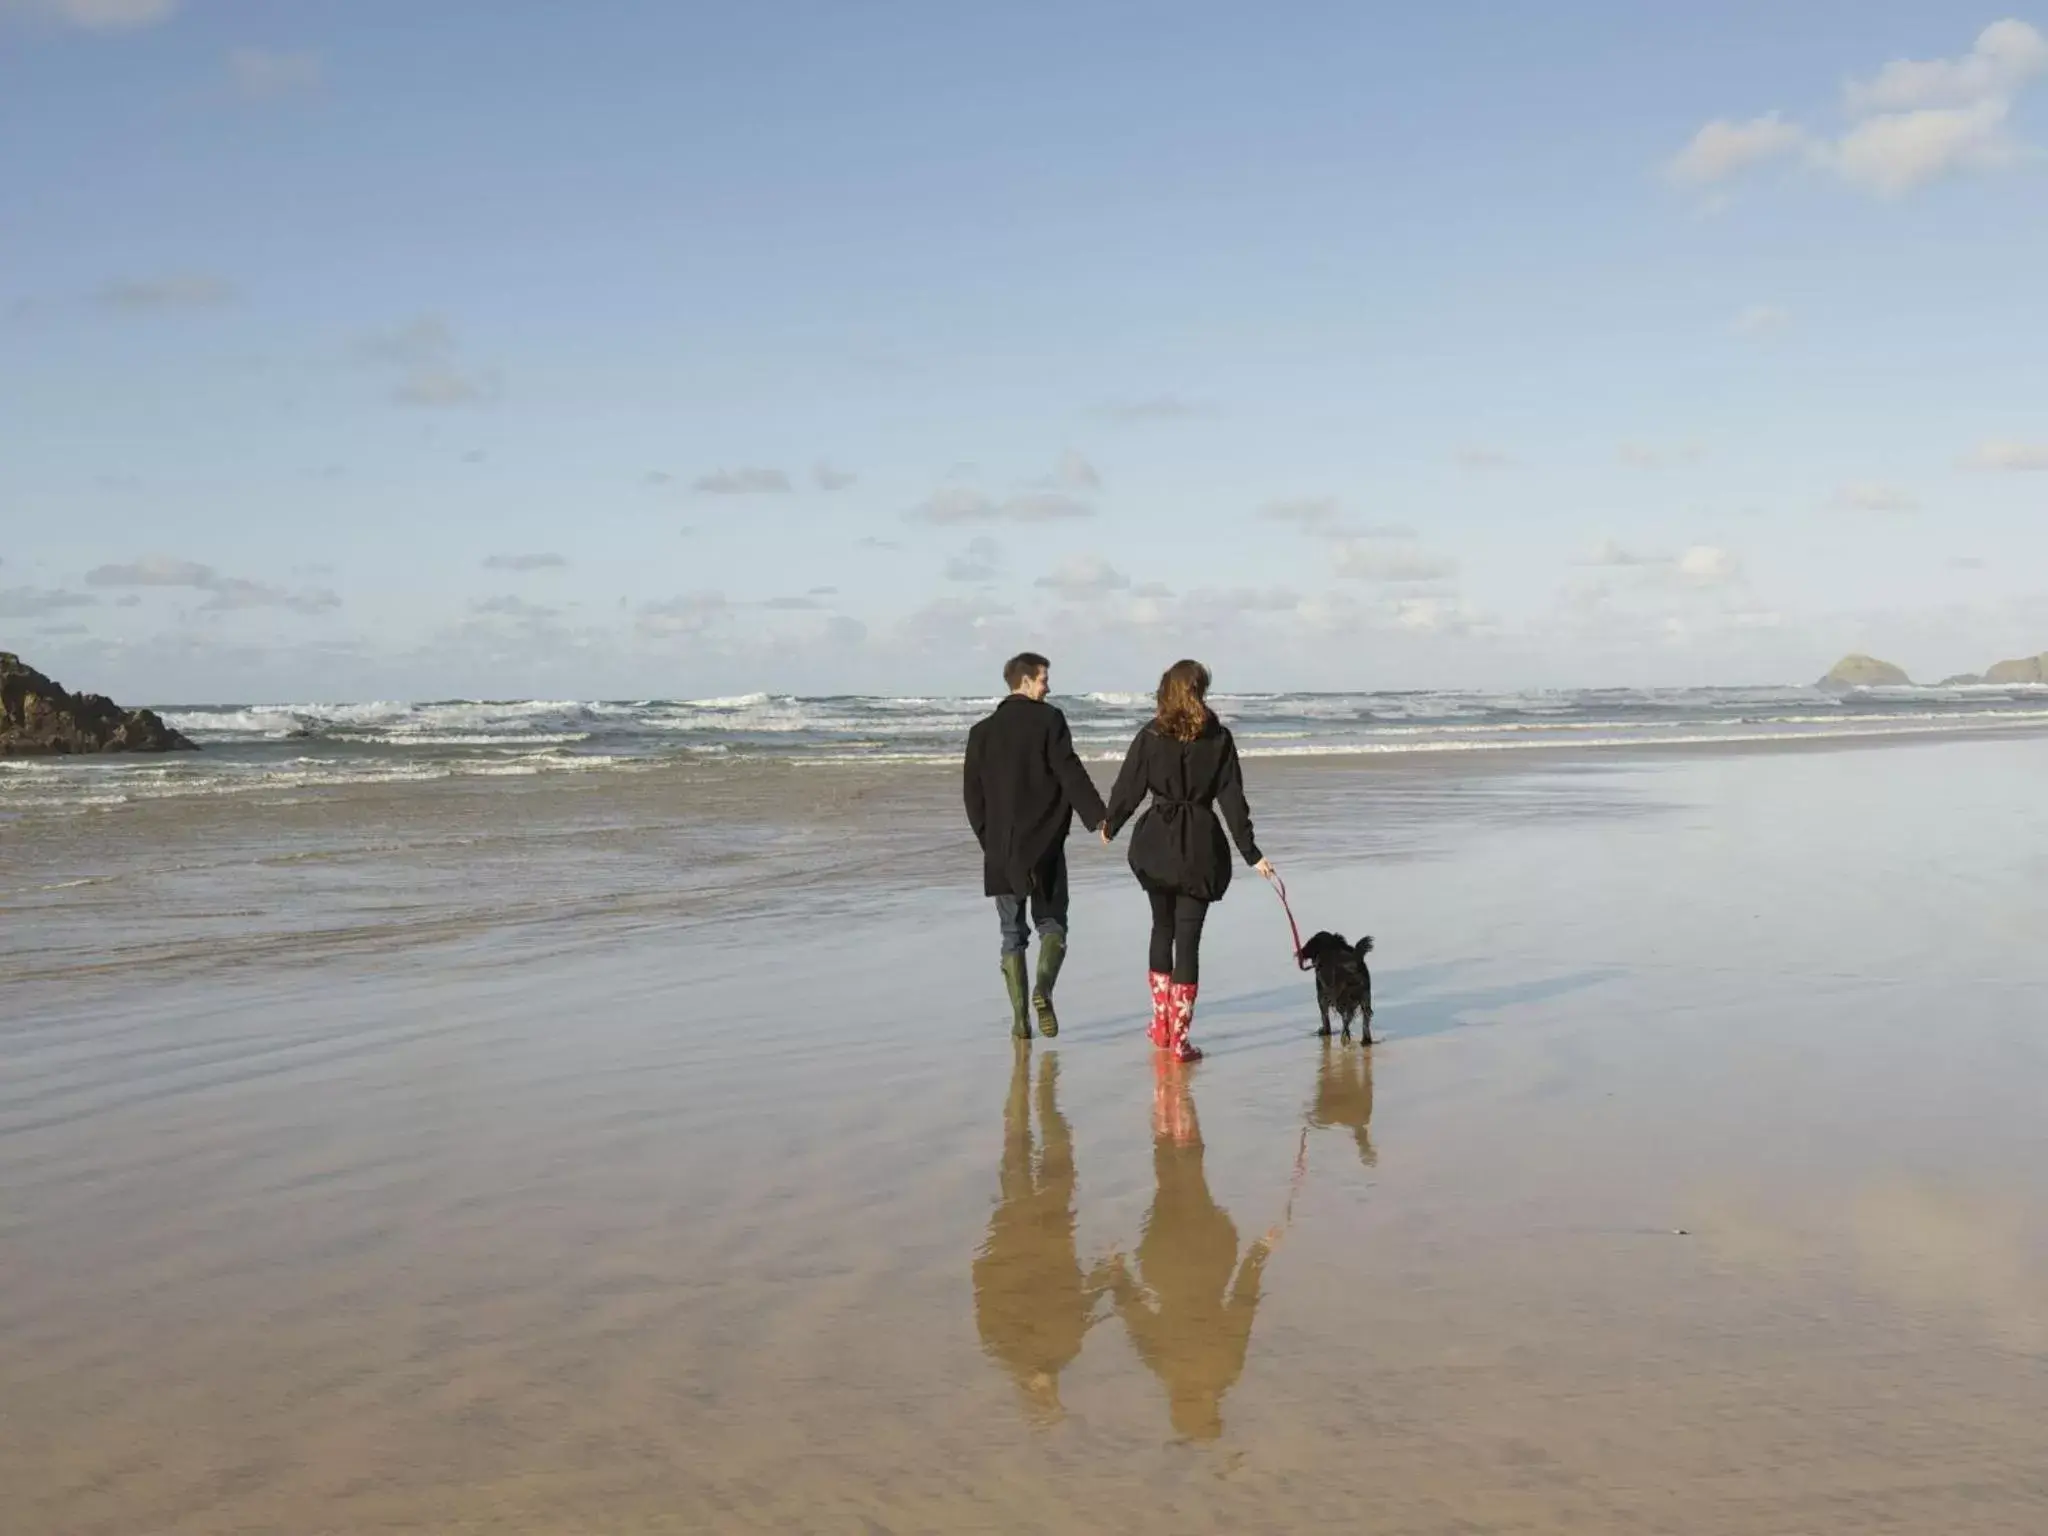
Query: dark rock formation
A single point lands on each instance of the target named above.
(1864, 672)
(39, 719)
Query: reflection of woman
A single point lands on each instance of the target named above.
(1031, 1303)
(1344, 1096)
(1189, 1309)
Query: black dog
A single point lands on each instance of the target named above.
(1342, 981)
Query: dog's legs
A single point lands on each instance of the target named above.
(1323, 1004)
(1365, 1027)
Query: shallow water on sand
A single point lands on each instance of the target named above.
(1696, 1185)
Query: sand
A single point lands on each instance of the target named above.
(548, 1159)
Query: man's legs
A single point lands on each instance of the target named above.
(1049, 913)
(1010, 916)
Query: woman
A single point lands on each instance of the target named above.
(1185, 759)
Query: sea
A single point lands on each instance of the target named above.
(270, 747)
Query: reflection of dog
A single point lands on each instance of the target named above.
(1344, 1097)
(1343, 983)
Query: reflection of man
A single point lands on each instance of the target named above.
(1344, 1096)
(1030, 1301)
(1189, 1311)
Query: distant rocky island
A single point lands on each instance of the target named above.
(39, 718)
(1868, 672)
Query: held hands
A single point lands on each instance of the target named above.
(1265, 868)
(1104, 830)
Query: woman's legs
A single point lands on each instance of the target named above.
(1163, 905)
(1160, 968)
(1189, 913)
(1176, 967)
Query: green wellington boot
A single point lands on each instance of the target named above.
(1052, 954)
(1020, 1003)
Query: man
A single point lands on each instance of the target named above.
(1023, 785)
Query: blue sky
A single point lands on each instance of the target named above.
(379, 349)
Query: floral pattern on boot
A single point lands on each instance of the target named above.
(1161, 1032)
(1182, 999)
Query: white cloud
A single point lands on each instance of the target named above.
(743, 482)
(2008, 55)
(1360, 561)
(1077, 474)
(980, 561)
(1762, 320)
(98, 15)
(1654, 456)
(1433, 615)
(511, 607)
(1892, 155)
(1085, 576)
(1872, 496)
(536, 562)
(803, 603)
(691, 614)
(33, 603)
(151, 571)
(2007, 454)
(428, 365)
(1700, 565)
(954, 505)
(1723, 148)
(184, 290)
(1708, 565)
(1044, 507)
(826, 478)
(1914, 121)
(1323, 517)
(1608, 553)
(224, 593)
(262, 75)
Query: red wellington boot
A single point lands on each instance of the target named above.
(1161, 1032)
(1182, 1001)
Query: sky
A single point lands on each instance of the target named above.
(370, 349)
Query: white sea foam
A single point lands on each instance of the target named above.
(291, 746)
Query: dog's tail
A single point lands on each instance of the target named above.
(1365, 946)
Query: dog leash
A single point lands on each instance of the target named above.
(1280, 890)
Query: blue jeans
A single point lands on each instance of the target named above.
(1047, 904)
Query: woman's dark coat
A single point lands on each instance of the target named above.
(1022, 786)
(1179, 845)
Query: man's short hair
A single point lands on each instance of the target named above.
(1024, 664)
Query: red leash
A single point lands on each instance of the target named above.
(1280, 889)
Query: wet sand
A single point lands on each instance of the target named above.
(478, 1161)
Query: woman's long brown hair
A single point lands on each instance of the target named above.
(1183, 700)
